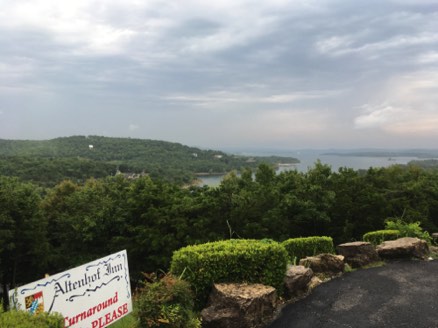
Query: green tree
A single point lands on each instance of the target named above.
(85, 222)
(23, 244)
(318, 198)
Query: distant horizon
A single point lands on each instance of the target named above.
(244, 148)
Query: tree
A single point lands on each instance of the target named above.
(23, 243)
(85, 222)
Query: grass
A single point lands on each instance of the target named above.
(348, 268)
(377, 264)
(126, 322)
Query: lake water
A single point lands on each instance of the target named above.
(309, 157)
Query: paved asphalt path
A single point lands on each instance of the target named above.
(399, 294)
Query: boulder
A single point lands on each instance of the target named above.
(315, 282)
(220, 318)
(406, 247)
(239, 306)
(327, 264)
(358, 254)
(297, 280)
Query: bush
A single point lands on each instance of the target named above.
(299, 248)
(234, 261)
(407, 229)
(22, 319)
(379, 236)
(166, 303)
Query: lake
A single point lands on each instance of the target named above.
(309, 157)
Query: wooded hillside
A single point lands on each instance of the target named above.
(48, 162)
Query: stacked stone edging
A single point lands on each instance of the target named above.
(328, 264)
(358, 254)
(254, 306)
(406, 247)
(240, 306)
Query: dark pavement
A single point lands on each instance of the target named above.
(399, 294)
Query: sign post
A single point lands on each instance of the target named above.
(92, 295)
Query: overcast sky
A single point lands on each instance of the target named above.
(284, 74)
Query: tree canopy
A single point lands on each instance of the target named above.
(78, 158)
(50, 230)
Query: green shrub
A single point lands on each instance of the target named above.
(235, 260)
(397, 228)
(408, 229)
(379, 236)
(166, 303)
(299, 248)
(22, 319)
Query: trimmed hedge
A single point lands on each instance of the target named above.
(235, 260)
(379, 236)
(299, 248)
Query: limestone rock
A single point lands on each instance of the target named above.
(358, 254)
(297, 280)
(406, 247)
(220, 318)
(315, 282)
(239, 306)
(328, 264)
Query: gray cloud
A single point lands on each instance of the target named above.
(320, 73)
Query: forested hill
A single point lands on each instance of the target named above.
(80, 157)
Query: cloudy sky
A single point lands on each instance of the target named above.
(228, 73)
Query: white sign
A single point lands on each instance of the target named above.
(93, 295)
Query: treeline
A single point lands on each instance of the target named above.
(426, 164)
(50, 230)
(47, 172)
(77, 158)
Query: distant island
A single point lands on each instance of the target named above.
(47, 162)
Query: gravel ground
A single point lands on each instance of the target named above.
(399, 294)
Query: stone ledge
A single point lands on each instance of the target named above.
(406, 247)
